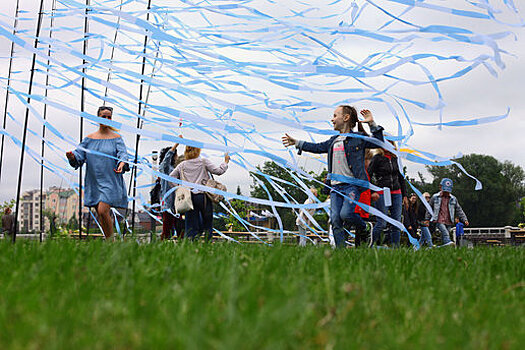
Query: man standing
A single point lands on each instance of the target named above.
(8, 222)
(445, 207)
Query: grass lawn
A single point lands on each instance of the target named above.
(92, 295)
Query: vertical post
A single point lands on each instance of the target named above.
(139, 122)
(8, 85)
(82, 109)
(53, 8)
(112, 53)
(26, 120)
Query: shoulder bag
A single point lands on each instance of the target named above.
(182, 201)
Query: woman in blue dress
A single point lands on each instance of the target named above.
(104, 153)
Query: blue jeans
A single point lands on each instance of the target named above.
(426, 237)
(200, 218)
(444, 229)
(395, 213)
(342, 209)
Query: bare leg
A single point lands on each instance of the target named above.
(105, 219)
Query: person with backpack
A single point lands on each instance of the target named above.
(171, 222)
(154, 200)
(384, 172)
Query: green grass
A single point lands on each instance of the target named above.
(94, 295)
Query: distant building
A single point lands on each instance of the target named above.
(29, 213)
(62, 202)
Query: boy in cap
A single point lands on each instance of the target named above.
(445, 207)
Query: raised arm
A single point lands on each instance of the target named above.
(164, 166)
(217, 169)
(376, 130)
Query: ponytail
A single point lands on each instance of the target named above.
(353, 118)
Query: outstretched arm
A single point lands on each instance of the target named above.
(77, 157)
(288, 140)
(312, 147)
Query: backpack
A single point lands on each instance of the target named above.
(154, 193)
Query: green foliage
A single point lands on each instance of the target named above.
(242, 209)
(98, 295)
(289, 185)
(503, 186)
(72, 223)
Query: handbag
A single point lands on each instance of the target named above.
(214, 197)
(182, 201)
(211, 182)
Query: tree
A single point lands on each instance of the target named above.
(290, 189)
(242, 209)
(497, 204)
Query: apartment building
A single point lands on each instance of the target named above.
(62, 202)
(29, 213)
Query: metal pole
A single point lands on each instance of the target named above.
(82, 109)
(112, 52)
(44, 127)
(26, 120)
(8, 85)
(139, 122)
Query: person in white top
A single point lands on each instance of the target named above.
(196, 170)
(303, 221)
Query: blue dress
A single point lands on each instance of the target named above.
(102, 183)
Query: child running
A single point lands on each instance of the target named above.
(345, 162)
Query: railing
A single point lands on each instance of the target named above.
(507, 235)
(472, 236)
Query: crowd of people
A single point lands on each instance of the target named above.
(353, 158)
(350, 161)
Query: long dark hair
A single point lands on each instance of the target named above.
(162, 154)
(353, 118)
(415, 206)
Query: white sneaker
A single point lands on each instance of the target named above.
(449, 244)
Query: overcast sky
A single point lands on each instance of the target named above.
(478, 94)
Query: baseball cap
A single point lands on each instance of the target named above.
(446, 184)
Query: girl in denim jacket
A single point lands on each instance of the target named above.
(345, 165)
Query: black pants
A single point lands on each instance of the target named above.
(200, 218)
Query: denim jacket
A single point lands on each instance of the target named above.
(453, 206)
(354, 150)
(166, 167)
